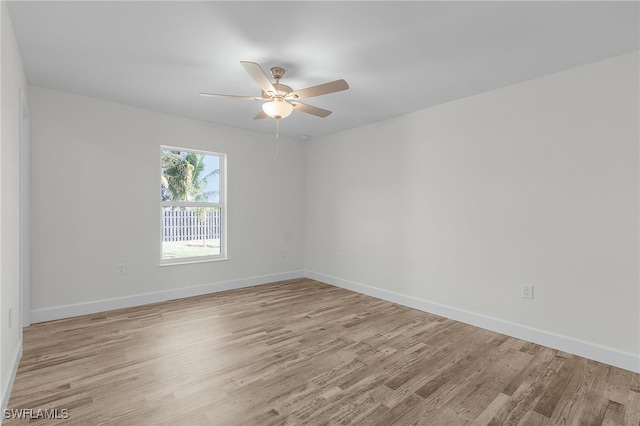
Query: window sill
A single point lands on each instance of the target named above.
(187, 261)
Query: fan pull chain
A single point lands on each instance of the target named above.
(277, 137)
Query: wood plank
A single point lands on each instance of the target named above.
(614, 414)
(632, 415)
(491, 410)
(547, 403)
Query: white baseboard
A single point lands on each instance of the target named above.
(607, 355)
(67, 311)
(8, 384)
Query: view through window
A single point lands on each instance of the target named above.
(192, 205)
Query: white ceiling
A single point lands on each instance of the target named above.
(397, 57)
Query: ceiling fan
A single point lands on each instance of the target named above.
(281, 100)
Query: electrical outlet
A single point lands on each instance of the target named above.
(284, 253)
(527, 291)
(122, 268)
(339, 257)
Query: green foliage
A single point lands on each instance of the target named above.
(182, 177)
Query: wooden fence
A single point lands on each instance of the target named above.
(188, 225)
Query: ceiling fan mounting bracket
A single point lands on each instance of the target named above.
(277, 72)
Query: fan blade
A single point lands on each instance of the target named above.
(310, 109)
(259, 76)
(260, 115)
(322, 89)
(217, 95)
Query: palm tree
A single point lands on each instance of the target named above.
(182, 178)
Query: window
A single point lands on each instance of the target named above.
(192, 194)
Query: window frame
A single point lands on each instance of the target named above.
(221, 205)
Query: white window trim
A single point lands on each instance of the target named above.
(222, 205)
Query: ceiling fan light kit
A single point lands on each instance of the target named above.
(280, 100)
(277, 108)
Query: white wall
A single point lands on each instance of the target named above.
(96, 200)
(454, 207)
(13, 81)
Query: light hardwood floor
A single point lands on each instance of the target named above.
(303, 352)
